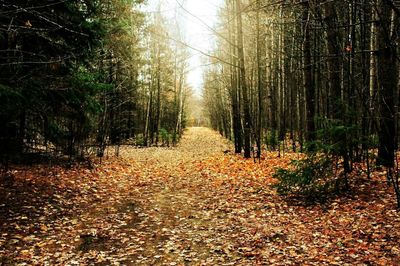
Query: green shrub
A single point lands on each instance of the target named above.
(311, 178)
(164, 136)
(175, 138)
(139, 140)
(271, 139)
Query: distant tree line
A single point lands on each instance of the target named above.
(76, 76)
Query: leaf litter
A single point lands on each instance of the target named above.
(194, 204)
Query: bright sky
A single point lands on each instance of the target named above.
(196, 33)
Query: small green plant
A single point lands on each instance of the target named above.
(271, 139)
(311, 178)
(165, 137)
(139, 140)
(175, 138)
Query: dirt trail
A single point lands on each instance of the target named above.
(168, 213)
(177, 228)
(144, 208)
(188, 205)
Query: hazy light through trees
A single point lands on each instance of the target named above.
(193, 17)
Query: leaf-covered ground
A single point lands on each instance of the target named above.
(189, 205)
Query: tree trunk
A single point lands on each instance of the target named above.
(260, 88)
(334, 65)
(243, 85)
(387, 84)
(158, 111)
(307, 77)
(236, 118)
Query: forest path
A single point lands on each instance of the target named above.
(179, 226)
(187, 205)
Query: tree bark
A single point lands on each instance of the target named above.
(308, 77)
(243, 85)
(334, 62)
(387, 73)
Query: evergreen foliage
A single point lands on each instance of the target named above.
(311, 178)
(81, 74)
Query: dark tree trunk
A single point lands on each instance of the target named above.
(387, 84)
(243, 85)
(334, 61)
(308, 78)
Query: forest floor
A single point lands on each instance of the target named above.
(188, 205)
